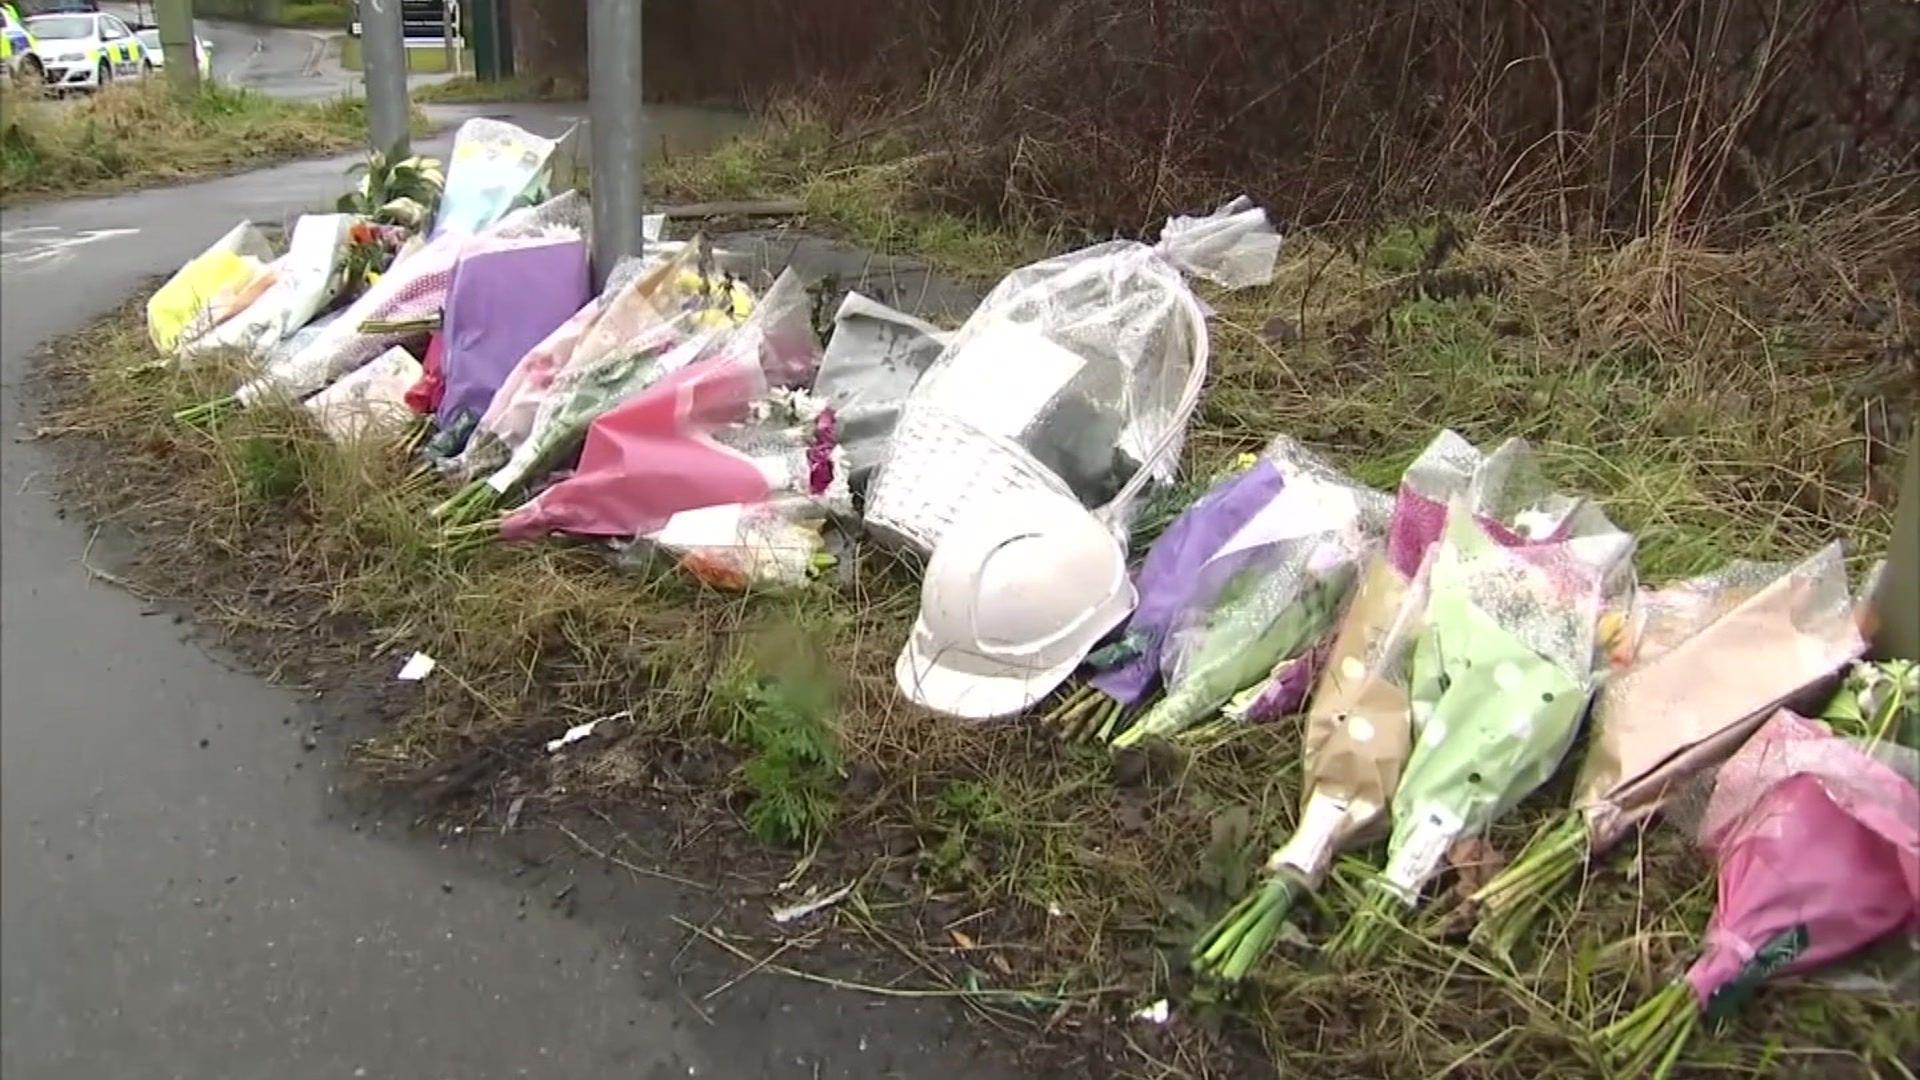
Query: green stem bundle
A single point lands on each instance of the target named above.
(205, 413)
(470, 536)
(1368, 927)
(471, 503)
(1513, 901)
(1648, 1041)
(1243, 936)
(1088, 714)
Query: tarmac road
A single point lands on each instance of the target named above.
(284, 62)
(183, 893)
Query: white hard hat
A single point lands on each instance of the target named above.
(1015, 595)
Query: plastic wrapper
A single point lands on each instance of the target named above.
(873, 361)
(370, 401)
(1818, 848)
(493, 165)
(1233, 247)
(742, 546)
(632, 336)
(1270, 592)
(708, 434)
(1078, 372)
(424, 396)
(210, 287)
(1500, 676)
(1167, 578)
(502, 301)
(1359, 714)
(1718, 655)
(305, 281)
(413, 290)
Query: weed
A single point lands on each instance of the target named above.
(269, 470)
(793, 765)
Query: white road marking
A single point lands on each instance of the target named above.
(21, 251)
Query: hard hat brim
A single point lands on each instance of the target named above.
(974, 687)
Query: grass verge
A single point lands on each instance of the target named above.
(317, 14)
(864, 185)
(423, 59)
(1721, 403)
(138, 135)
(467, 90)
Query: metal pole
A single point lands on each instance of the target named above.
(449, 10)
(613, 127)
(177, 44)
(1896, 601)
(383, 52)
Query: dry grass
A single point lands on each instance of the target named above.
(1722, 403)
(140, 134)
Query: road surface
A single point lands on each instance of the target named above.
(282, 61)
(183, 893)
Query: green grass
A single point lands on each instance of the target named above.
(321, 14)
(135, 135)
(467, 90)
(424, 59)
(864, 187)
(1718, 403)
(783, 724)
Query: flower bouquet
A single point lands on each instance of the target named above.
(210, 287)
(1499, 678)
(1267, 596)
(1717, 656)
(1358, 724)
(657, 325)
(1127, 672)
(1817, 842)
(306, 280)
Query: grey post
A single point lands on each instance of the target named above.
(383, 52)
(449, 16)
(613, 127)
(1896, 602)
(176, 43)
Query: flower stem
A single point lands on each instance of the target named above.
(1368, 927)
(1233, 946)
(1513, 901)
(205, 413)
(1648, 1041)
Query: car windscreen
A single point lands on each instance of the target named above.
(61, 27)
(149, 38)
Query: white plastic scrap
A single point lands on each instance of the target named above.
(580, 731)
(807, 907)
(1156, 1013)
(416, 668)
(1234, 246)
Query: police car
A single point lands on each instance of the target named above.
(88, 51)
(157, 54)
(19, 49)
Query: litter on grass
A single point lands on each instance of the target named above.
(578, 732)
(417, 667)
